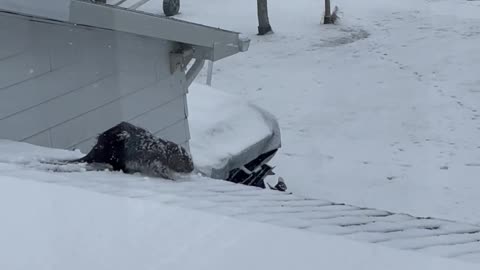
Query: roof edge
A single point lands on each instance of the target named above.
(209, 42)
(141, 23)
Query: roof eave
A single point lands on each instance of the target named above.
(214, 43)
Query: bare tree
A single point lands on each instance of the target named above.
(329, 17)
(263, 21)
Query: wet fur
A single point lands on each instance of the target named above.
(132, 149)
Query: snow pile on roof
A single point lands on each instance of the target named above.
(226, 131)
(46, 227)
(24, 153)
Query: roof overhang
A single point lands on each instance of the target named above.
(51, 9)
(208, 42)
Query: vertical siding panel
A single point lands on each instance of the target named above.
(41, 139)
(24, 66)
(57, 111)
(53, 84)
(99, 120)
(175, 133)
(18, 41)
(161, 117)
(61, 85)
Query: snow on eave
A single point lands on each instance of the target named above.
(215, 42)
(51, 9)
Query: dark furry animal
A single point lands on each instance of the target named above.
(132, 149)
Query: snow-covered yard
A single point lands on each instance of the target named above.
(382, 110)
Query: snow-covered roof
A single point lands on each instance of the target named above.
(215, 124)
(106, 220)
(86, 12)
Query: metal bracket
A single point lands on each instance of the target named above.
(195, 70)
(180, 59)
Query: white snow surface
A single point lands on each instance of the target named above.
(223, 125)
(49, 227)
(380, 110)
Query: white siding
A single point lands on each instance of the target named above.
(62, 85)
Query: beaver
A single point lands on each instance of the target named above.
(131, 149)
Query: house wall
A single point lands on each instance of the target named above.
(61, 85)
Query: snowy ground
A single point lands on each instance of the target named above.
(382, 110)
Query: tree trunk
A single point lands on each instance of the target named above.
(327, 19)
(263, 22)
